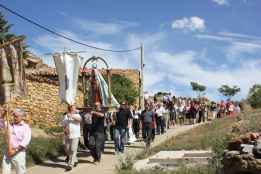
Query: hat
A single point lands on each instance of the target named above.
(19, 112)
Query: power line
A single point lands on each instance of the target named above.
(62, 35)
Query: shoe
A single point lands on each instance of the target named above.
(75, 164)
(67, 159)
(68, 168)
(94, 161)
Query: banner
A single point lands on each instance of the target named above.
(67, 67)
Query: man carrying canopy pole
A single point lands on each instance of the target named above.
(67, 67)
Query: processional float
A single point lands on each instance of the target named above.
(94, 86)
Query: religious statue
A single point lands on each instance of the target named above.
(95, 87)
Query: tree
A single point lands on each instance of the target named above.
(198, 87)
(5, 34)
(123, 89)
(254, 96)
(229, 91)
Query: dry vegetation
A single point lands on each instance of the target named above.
(215, 135)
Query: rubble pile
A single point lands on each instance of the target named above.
(243, 155)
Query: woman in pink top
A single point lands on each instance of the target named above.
(19, 139)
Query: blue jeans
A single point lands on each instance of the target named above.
(147, 133)
(119, 139)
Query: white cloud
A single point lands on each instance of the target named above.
(226, 2)
(221, 2)
(183, 69)
(238, 48)
(194, 23)
(239, 36)
(231, 37)
(239, 44)
(165, 71)
(104, 28)
(216, 37)
(57, 44)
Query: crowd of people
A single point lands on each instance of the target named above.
(129, 123)
(124, 126)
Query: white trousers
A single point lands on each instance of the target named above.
(71, 146)
(18, 161)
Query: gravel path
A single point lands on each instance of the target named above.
(109, 160)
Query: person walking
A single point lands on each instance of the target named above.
(96, 139)
(172, 114)
(201, 113)
(136, 121)
(87, 122)
(166, 116)
(160, 119)
(122, 119)
(72, 133)
(147, 118)
(19, 137)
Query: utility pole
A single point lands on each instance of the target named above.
(141, 78)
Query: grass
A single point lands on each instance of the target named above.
(209, 136)
(213, 136)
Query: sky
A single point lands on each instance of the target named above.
(212, 42)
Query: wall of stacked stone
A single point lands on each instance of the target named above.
(42, 104)
(49, 76)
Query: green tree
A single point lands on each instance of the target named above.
(254, 96)
(5, 34)
(229, 91)
(123, 89)
(198, 87)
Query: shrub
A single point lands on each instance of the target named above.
(254, 96)
(123, 89)
(39, 150)
(125, 163)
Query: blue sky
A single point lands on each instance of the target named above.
(212, 42)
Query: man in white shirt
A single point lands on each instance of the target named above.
(160, 119)
(72, 131)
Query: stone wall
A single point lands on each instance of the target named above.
(42, 104)
(49, 75)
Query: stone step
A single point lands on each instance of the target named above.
(177, 157)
